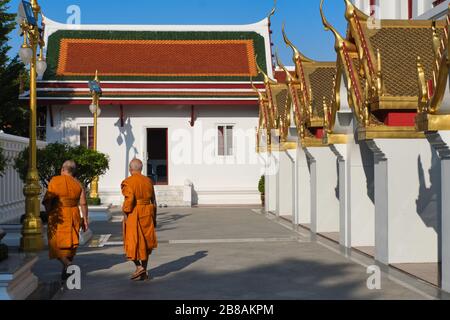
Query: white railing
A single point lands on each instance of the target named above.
(12, 200)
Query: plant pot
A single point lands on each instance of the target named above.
(263, 199)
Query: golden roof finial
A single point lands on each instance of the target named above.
(297, 54)
(260, 95)
(267, 80)
(328, 27)
(272, 12)
(423, 89)
(289, 77)
(350, 9)
(436, 41)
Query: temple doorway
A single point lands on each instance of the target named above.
(157, 155)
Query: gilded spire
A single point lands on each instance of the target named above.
(267, 80)
(260, 94)
(350, 10)
(328, 27)
(297, 54)
(423, 90)
(273, 10)
(436, 40)
(289, 77)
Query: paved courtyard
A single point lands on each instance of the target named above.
(228, 253)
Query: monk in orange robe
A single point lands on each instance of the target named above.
(139, 222)
(64, 196)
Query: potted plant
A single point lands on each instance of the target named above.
(261, 188)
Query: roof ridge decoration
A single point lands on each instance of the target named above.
(310, 85)
(264, 123)
(295, 87)
(55, 25)
(268, 83)
(380, 70)
(434, 94)
(346, 54)
(279, 104)
(272, 12)
(298, 59)
(351, 10)
(285, 116)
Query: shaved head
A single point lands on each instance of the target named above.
(69, 166)
(136, 165)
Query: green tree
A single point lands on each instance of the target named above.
(2, 162)
(14, 115)
(90, 163)
(261, 185)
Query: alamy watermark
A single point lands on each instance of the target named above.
(374, 280)
(73, 282)
(74, 15)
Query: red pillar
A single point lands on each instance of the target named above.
(372, 7)
(410, 9)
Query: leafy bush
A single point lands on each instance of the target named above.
(90, 163)
(94, 201)
(2, 162)
(261, 185)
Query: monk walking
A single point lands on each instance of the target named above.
(139, 225)
(64, 196)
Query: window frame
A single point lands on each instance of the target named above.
(225, 141)
(87, 125)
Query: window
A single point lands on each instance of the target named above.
(225, 140)
(87, 136)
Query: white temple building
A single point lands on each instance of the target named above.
(177, 97)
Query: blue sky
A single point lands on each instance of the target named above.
(302, 18)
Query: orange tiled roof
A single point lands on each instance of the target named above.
(154, 55)
(222, 58)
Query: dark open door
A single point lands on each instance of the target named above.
(157, 155)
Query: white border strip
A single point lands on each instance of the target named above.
(153, 82)
(147, 98)
(142, 90)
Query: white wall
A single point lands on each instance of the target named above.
(12, 200)
(398, 9)
(231, 180)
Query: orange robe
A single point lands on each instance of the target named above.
(138, 226)
(61, 201)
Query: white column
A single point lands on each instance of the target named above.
(340, 152)
(285, 184)
(293, 179)
(406, 187)
(324, 190)
(441, 142)
(359, 223)
(272, 182)
(303, 189)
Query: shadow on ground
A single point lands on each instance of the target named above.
(179, 279)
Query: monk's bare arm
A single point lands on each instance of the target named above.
(84, 208)
(129, 203)
(155, 206)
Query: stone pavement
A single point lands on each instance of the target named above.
(228, 253)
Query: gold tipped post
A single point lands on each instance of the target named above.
(32, 239)
(96, 101)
